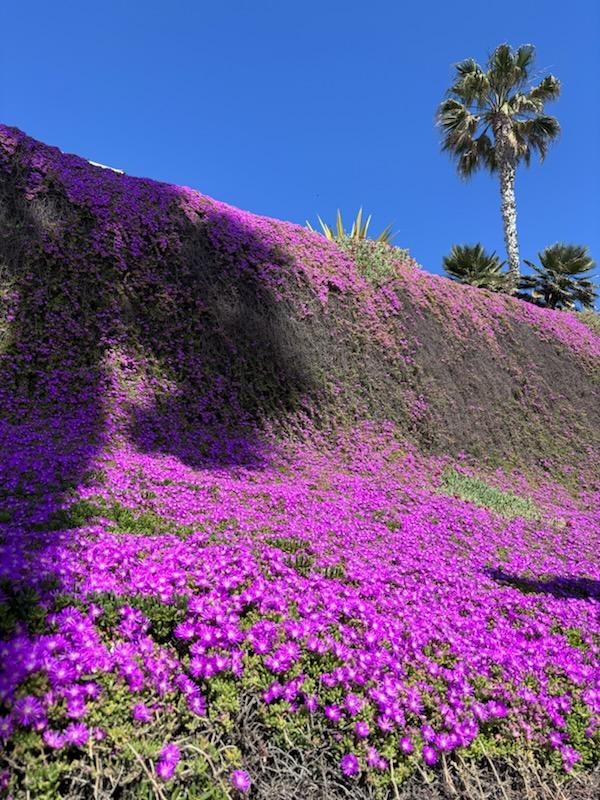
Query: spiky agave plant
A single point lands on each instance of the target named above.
(473, 265)
(562, 278)
(359, 229)
(494, 118)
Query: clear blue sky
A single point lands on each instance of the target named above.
(291, 108)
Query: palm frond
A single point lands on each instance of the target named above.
(473, 265)
(480, 152)
(524, 58)
(562, 279)
(548, 89)
(569, 259)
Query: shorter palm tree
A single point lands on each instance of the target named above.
(471, 264)
(359, 229)
(563, 278)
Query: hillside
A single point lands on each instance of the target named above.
(221, 318)
(271, 504)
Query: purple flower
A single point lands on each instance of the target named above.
(333, 713)
(349, 764)
(570, 757)
(497, 710)
(141, 713)
(170, 754)
(54, 739)
(6, 728)
(185, 630)
(353, 704)
(61, 672)
(197, 704)
(76, 709)
(167, 762)
(428, 733)
(77, 733)
(311, 703)
(28, 710)
(385, 723)
(361, 729)
(444, 741)
(430, 756)
(406, 745)
(240, 780)
(165, 770)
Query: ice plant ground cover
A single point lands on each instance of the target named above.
(343, 590)
(241, 551)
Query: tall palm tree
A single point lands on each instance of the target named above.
(494, 118)
(563, 279)
(471, 264)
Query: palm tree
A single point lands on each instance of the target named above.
(359, 229)
(494, 118)
(563, 279)
(471, 264)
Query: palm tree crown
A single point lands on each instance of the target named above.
(493, 101)
(494, 118)
(471, 264)
(563, 278)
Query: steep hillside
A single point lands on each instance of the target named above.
(280, 519)
(176, 315)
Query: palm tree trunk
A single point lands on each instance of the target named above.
(509, 219)
(507, 169)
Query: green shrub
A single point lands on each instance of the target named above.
(476, 491)
(591, 319)
(378, 262)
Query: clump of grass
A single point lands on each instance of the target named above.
(126, 520)
(78, 514)
(286, 544)
(476, 491)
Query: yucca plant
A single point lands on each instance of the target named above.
(494, 118)
(562, 278)
(471, 264)
(359, 229)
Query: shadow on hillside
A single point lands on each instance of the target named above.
(219, 356)
(558, 586)
(240, 360)
(220, 352)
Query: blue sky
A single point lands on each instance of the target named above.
(290, 108)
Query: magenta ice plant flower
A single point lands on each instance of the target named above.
(430, 755)
(350, 765)
(240, 780)
(28, 710)
(77, 734)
